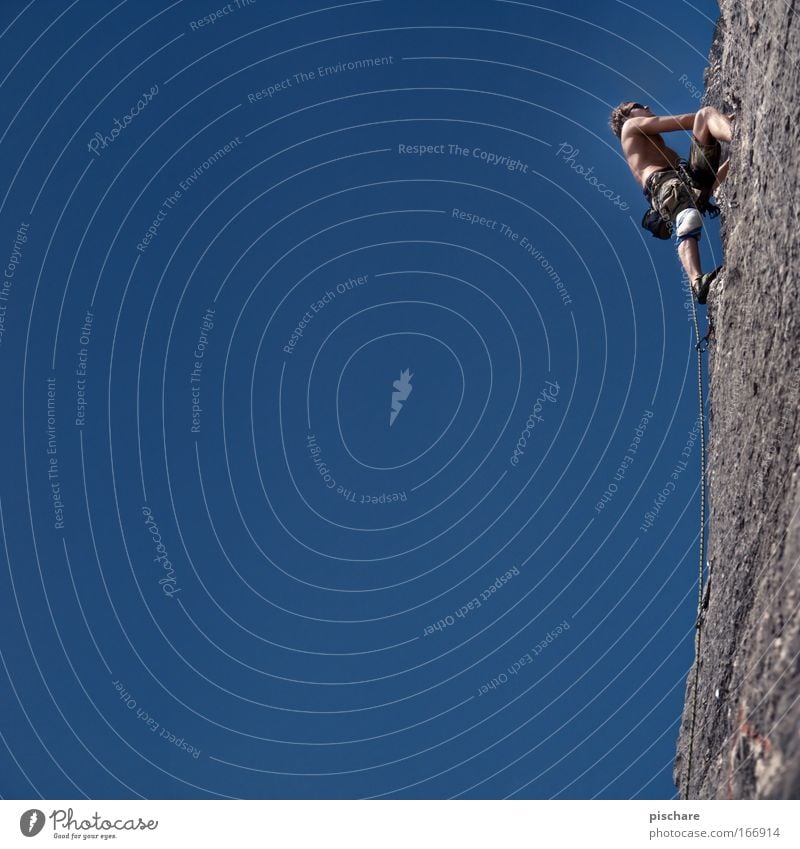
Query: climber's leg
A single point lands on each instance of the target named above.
(710, 125)
(689, 255)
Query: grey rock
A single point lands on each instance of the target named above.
(747, 723)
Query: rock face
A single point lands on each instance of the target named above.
(747, 739)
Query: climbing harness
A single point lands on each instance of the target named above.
(670, 191)
(701, 347)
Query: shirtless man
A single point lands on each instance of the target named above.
(655, 168)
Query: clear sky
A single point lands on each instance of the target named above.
(340, 382)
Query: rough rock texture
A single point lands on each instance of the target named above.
(747, 742)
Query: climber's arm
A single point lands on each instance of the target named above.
(659, 124)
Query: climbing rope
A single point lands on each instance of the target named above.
(701, 347)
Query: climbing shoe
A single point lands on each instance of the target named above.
(701, 285)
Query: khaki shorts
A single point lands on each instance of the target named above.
(669, 194)
(704, 162)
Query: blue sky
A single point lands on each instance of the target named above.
(227, 570)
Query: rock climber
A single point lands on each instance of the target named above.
(678, 190)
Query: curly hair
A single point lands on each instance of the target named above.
(619, 116)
